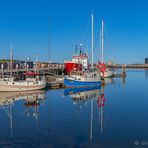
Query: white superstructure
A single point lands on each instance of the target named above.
(10, 84)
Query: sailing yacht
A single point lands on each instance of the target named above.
(84, 78)
(105, 72)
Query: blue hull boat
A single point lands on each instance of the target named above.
(76, 83)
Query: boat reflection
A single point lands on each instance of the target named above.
(101, 103)
(109, 81)
(7, 97)
(81, 96)
(115, 81)
(32, 101)
(93, 96)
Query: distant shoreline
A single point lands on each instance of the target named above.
(129, 66)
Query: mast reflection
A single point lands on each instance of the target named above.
(32, 100)
(82, 97)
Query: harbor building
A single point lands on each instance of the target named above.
(146, 60)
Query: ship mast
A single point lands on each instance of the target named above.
(100, 48)
(102, 41)
(92, 38)
(49, 19)
(91, 105)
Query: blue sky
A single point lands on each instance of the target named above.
(25, 23)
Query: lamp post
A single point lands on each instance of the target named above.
(2, 70)
(29, 60)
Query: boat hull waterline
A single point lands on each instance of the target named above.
(107, 74)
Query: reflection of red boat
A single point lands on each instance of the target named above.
(79, 61)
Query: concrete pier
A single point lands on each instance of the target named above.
(136, 66)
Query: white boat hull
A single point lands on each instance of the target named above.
(107, 74)
(8, 88)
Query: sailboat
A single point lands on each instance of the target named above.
(33, 81)
(84, 78)
(105, 72)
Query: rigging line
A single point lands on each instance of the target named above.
(107, 37)
(97, 25)
(96, 41)
(86, 32)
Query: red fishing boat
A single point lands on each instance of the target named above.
(79, 61)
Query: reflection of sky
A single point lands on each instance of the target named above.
(146, 73)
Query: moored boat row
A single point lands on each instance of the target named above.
(30, 81)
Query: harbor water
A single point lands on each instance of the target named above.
(114, 115)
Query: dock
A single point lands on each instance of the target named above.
(130, 66)
(55, 82)
(119, 75)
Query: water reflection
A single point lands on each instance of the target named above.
(109, 81)
(146, 73)
(31, 99)
(81, 96)
(93, 96)
(85, 117)
(115, 81)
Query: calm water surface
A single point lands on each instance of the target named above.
(113, 116)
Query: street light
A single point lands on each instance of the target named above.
(29, 60)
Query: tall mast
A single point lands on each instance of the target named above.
(102, 41)
(100, 48)
(49, 19)
(92, 47)
(92, 39)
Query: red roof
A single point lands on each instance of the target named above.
(31, 73)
